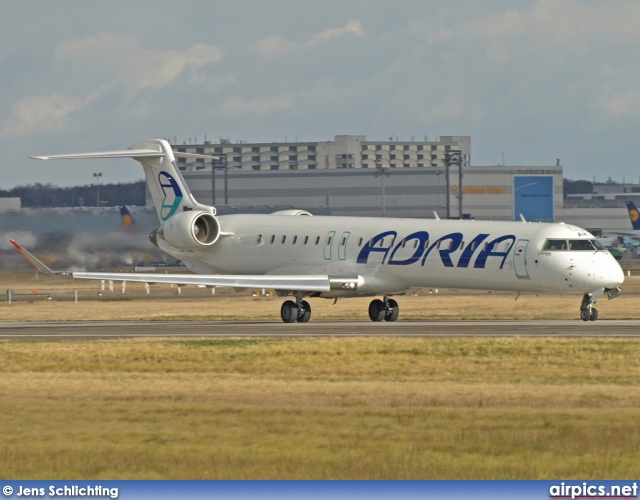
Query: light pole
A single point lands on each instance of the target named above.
(454, 157)
(383, 172)
(97, 175)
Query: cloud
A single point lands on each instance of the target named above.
(623, 103)
(129, 64)
(239, 106)
(351, 28)
(41, 114)
(273, 45)
(277, 44)
(125, 62)
(560, 21)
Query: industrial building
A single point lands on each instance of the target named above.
(355, 176)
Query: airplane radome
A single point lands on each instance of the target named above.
(301, 256)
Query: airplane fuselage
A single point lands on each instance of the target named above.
(398, 254)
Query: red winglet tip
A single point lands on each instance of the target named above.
(15, 245)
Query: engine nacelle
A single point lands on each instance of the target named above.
(190, 230)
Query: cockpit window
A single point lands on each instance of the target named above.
(580, 245)
(573, 245)
(555, 245)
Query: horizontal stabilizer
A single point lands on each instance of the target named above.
(125, 153)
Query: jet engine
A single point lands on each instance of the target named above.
(190, 230)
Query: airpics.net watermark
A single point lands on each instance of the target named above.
(52, 491)
(587, 490)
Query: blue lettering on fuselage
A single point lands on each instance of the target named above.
(369, 247)
(446, 246)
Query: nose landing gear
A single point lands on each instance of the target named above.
(587, 311)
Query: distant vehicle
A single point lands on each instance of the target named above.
(303, 256)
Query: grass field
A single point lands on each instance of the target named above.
(320, 408)
(383, 408)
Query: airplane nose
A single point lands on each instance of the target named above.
(610, 272)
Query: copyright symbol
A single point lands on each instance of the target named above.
(7, 491)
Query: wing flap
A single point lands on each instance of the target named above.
(303, 283)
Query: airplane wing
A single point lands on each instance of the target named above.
(302, 283)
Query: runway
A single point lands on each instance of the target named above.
(89, 330)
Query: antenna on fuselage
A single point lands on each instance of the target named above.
(435, 215)
(524, 221)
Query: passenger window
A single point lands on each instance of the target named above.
(474, 245)
(328, 241)
(295, 238)
(461, 245)
(360, 242)
(259, 238)
(306, 240)
(415, 244)
(273, 238)
(317, 239)
(344, 240)
(284, 238)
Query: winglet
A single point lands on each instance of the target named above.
(40, 266)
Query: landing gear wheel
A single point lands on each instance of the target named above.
(585, 314)
(304, 313)
(594, 314)
(289, 311)
(377, 310)
(393, 312)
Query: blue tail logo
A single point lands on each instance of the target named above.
(127, 218)
(634, 215)
(172, 195)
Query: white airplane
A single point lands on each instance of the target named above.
(301, 256)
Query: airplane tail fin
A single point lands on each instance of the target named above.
(634, 215)
(127, 218)
(168, 188)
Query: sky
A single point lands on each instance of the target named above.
(531, 81)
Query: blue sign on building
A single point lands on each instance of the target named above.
(533, 198)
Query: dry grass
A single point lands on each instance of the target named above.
(164, 302)
(320, 408)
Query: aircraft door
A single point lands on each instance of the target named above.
(520, 259)
(342, 248)
(328, 243)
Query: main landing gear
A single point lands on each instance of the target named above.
(299, 311)
(387, 310)
(587, 311)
